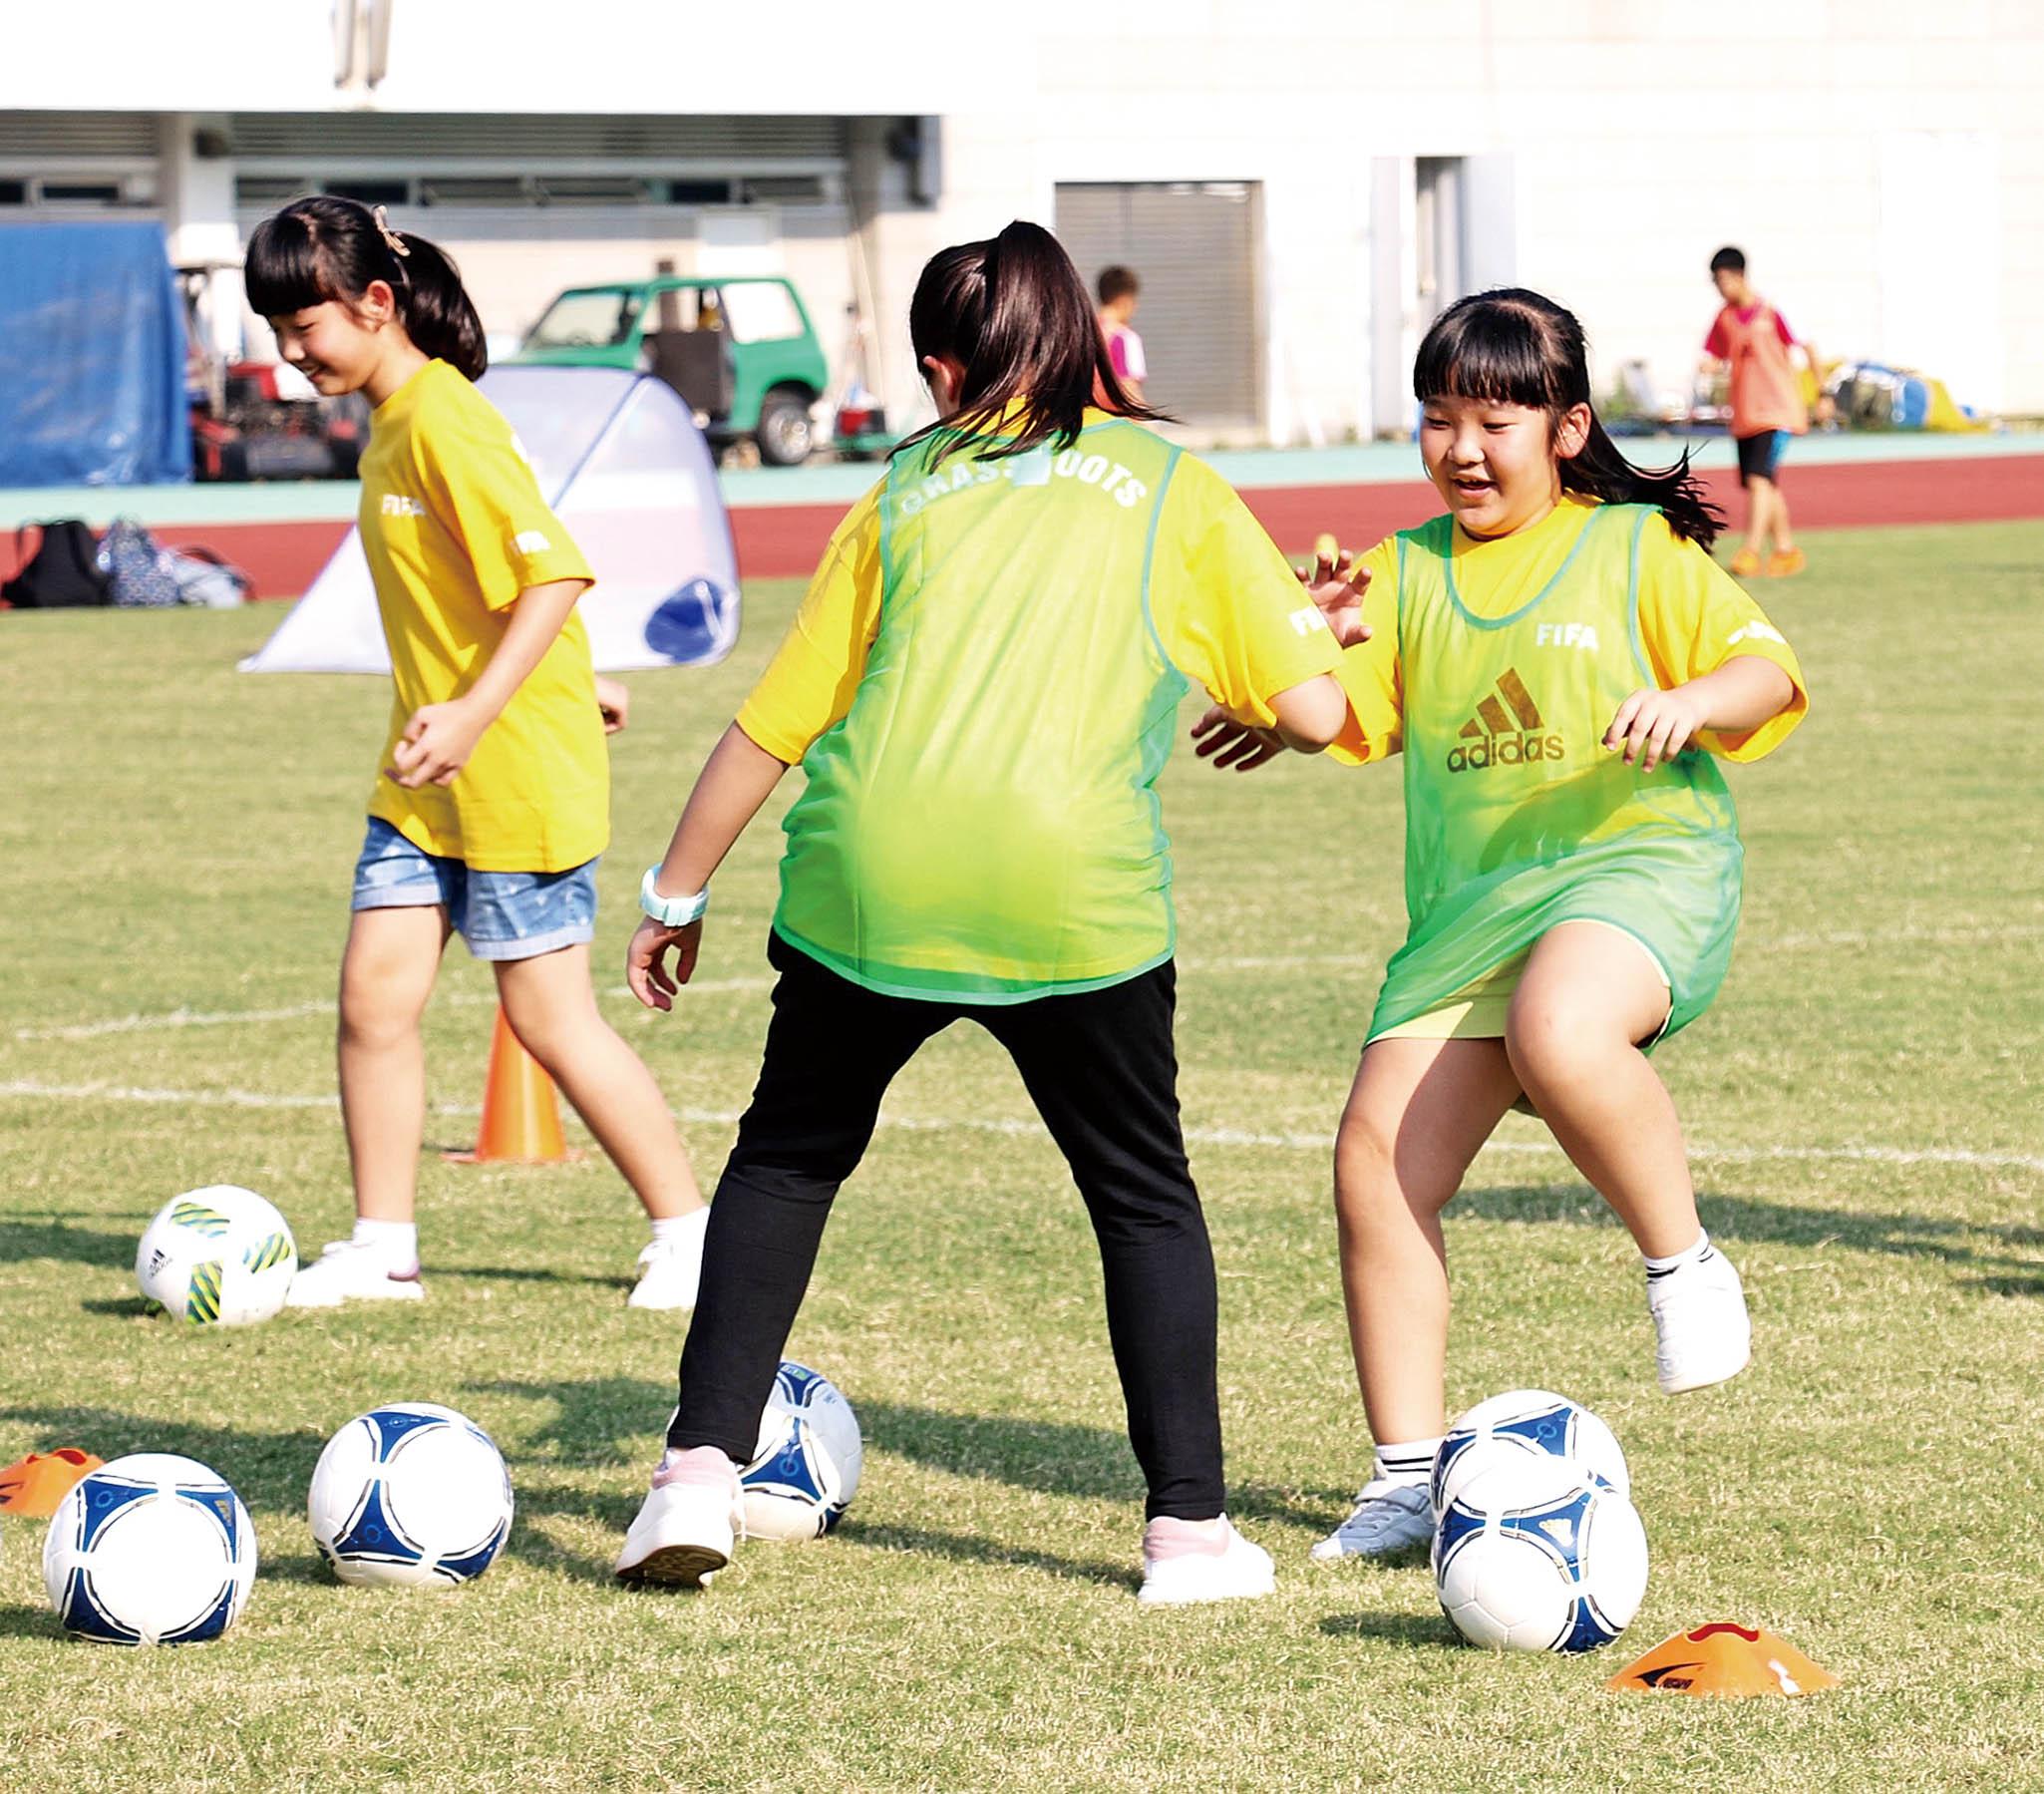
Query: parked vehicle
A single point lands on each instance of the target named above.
(740, 350)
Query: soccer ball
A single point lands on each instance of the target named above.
(410, 1494)
(152, 1549)
(805, 1469)
(220, 1256)
(1539, 1555)
(1520, 1422)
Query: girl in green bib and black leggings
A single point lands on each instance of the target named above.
(982, 687)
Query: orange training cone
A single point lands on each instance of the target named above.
(37, 1484)
(521, 1119)
(1725, 1660)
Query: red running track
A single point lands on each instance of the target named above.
(787, 540)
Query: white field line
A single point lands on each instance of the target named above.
(31, 1088)
(222, 1018)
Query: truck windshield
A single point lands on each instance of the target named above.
(586, 321)
(761, 312)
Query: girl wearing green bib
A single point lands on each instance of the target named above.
(1562, 665)
(981, 688)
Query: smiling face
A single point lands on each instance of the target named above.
(341, 348)
(1497, 466)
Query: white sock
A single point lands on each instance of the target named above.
(1411, 1463)
(395, 1243)
(673, 1229)
(1656, 1269)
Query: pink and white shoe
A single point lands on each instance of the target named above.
(688, 1525)
(1187, 1561)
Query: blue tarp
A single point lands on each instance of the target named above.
(92, 357)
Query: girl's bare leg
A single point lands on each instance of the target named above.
(387, 975)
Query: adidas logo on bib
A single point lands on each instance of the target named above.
(1507, 730)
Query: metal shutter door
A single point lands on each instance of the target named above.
(1195, 248)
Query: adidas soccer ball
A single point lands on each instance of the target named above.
(411, 1494)
(1522, 1422)
(220, 1256)
(805, 1470)
(1539, 1555)
(152, 1549)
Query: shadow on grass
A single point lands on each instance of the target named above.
(504, 1274)
(1742, 1217)
(52, 1239)
(269, 1471)
(972, 1547)
(29, 1622)
(595, 1420)
(1415, 1631)
(123, 1307)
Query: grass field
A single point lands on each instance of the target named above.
(1869, 1142)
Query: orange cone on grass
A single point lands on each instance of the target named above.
(520, 1118)
(1724, 1659)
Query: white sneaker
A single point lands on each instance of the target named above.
(1388, 1518)
(1179, 1569)
(670, 1269)
(685, 1528)
(347, 1271)
(1699, 1310)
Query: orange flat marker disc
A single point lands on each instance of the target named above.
(1726, 1661)
(39, 1481)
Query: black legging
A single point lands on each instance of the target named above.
(1102, 1072)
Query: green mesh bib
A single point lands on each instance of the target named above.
(984, 825)
(1517, 816)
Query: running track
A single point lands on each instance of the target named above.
(786, 541)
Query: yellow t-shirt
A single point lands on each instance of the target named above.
(1222, 600)
(1693, 617)
(455, 527)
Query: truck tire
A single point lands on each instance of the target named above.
(785, 434)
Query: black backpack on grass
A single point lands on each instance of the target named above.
(62, 573)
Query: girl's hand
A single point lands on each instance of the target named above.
(1336, 584)
(1652, 726)
(650, 980)
(614, 700)
(1229, 742)
(435, 744)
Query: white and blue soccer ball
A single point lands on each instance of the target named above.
(1520, 1424)
(152, 1549)
(1540, 1554)
(410, 1494)
(217, 1256)
(805, 1469)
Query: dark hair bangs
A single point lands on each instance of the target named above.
(1492, 354)
(287, 269)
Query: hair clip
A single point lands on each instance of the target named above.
(390, 236)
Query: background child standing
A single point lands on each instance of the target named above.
(982, 687)
(1752, 339)
(1562, 665)
(492, 799)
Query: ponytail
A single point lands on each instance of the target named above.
(1514, 347)
(1015, 314)
(329, 249)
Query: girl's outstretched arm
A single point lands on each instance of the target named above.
(736, 780)
(1652, 726)
(438, 737)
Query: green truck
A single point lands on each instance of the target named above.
(739, 349)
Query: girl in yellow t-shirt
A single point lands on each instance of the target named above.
(493, 801)
(1562, 665)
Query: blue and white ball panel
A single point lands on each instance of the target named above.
(806, 1459)
(153, 1549)
(1535, 1422)
(410, 1493)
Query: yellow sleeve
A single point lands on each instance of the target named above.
(1370, 672)
(809, 684)
(1227, 607)
(478, 481)
(1693, 617)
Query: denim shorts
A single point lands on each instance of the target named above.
(501, 915)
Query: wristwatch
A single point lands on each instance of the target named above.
(670, 912)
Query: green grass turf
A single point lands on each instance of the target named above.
(176, 838)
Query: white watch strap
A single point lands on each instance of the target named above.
(670, 912)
